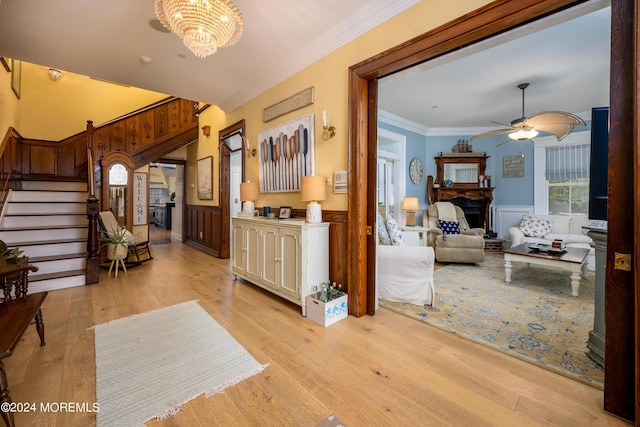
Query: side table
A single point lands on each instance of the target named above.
(414, 235)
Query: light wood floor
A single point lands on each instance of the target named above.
(383, 370)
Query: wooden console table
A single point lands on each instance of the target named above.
(17, 311)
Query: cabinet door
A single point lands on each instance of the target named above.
(289, 267)
(270, 257)
(252, 236)
(237, 249)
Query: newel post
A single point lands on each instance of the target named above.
(93, 210)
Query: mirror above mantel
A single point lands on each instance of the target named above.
(460, 169)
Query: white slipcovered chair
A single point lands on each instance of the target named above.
(405, 273)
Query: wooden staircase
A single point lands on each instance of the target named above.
(45, 214)
(47, 220)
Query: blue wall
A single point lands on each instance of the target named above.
(509, 191)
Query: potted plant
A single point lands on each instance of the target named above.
(117, 243)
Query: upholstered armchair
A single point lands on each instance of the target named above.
(465, 245)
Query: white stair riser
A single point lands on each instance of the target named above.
(53, 284)
(48, 196)
(54, 249)
(38, 208)
(51, 185)
(43, 221)
(37, 235)
(59, 265)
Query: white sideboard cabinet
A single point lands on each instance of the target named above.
(287, 257)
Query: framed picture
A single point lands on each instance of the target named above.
(205, 178)
(16, 76)
(286, 153)
(285, 212)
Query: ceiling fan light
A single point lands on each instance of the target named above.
(522, 134)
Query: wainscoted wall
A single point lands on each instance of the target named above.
(202, 228)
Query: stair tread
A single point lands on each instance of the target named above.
(47, 227)
(45, 214)
(56, 275)
(56, 257)
(45, 242)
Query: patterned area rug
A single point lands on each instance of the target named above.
(150, 364)
(534, 318)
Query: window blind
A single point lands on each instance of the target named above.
(568, 162)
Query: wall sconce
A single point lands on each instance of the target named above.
(250, 151)
(206, 130)
(328, 132)
(55, 74)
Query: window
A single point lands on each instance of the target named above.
(391, 172)
(567, 177)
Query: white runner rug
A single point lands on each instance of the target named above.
(150, 364)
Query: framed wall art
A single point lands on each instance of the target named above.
(205, 178)
(286, 153)
(513, 166)
(284, 212)
(16, 76)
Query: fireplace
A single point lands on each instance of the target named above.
(474, 210)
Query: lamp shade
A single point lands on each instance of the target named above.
(410, 204)
(249, 191)
(312, 188)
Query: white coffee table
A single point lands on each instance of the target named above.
(573, 260)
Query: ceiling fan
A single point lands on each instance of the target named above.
(557, 123)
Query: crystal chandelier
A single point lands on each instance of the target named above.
(203, 25)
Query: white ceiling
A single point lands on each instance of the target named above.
(105, 38)
(565, 58)
(567, 65)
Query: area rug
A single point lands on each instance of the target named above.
(534, 317)
(150, 364)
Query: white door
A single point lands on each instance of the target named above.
(236, 179)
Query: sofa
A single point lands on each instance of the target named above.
(404, 273)
(547, 228)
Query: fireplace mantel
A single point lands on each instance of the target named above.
(470, 196)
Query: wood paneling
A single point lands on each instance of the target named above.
(620, 286)
(202, 228)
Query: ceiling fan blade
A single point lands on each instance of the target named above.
(491, 133)
(559, 130)
(553, 118)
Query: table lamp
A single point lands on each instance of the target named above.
(248, 194)
(410, 204)
(313, 190)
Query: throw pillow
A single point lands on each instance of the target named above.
(383, 234)
(535, 226)
(449, 227)
(394, 232)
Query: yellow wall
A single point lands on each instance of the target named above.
(54, 110)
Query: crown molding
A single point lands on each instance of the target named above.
(351, 27)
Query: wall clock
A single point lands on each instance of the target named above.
(415, 170)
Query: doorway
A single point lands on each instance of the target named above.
(496, 18)
(166, 201)
(233, 146)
